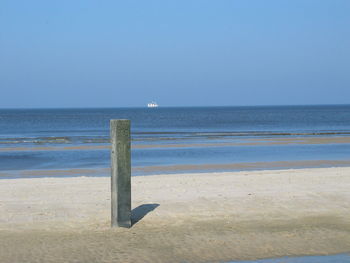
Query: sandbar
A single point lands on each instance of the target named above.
(301, 140)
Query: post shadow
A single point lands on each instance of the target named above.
(141, 211)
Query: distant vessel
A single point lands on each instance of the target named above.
(152, 104)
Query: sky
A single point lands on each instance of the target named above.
(179, 53)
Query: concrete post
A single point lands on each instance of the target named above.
(120, 173)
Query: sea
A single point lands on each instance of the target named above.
(178, 139)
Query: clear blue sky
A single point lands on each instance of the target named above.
(179, 53)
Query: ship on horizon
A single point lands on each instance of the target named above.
(152, 104)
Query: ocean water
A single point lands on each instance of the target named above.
(78, 138)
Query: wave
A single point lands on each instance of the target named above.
(36, 140)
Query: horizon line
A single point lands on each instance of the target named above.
(197, 106)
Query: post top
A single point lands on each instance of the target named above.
(119, 120)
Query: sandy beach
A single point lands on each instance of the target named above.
(206, 217)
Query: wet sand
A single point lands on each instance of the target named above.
(180, 168)
(208, 217)
(242, 166)
(244, 142)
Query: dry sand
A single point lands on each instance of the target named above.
(211, 217)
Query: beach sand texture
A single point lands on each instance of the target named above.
(207, 217)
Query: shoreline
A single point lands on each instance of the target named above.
(207, 217)
(177, 169)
